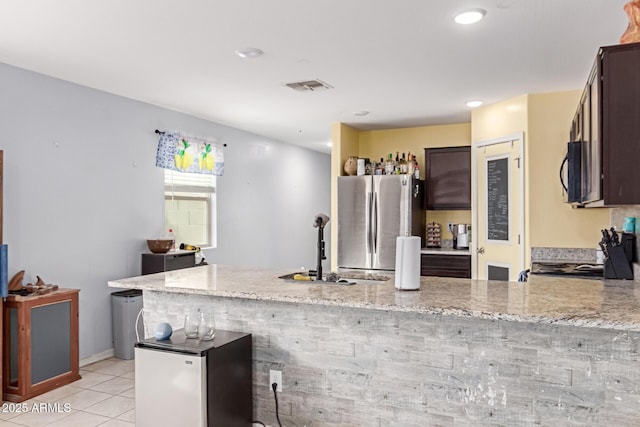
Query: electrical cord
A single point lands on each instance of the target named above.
(274, 386)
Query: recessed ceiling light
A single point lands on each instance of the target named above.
(249, 52)
(360, 113)
(474, 104)
(470, 16)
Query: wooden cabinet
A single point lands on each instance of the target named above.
(1, 186)
(40, 337)
(606, 123)
(445, 265)
(448, 178)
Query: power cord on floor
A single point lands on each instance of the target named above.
(274, 386)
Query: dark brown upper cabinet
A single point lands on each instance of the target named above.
(608, 126)
(448, 178)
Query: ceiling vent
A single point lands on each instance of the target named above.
(309, 86)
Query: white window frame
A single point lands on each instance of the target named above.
(193, 186)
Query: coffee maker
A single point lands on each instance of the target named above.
(461, 235)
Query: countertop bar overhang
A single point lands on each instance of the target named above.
(611, 304)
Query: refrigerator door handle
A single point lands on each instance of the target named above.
(375, 223)
(368, 213)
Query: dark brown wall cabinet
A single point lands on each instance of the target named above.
(446, 265)
(448, 178)
(607, 125)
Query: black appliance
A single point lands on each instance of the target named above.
(572, 162)
(618, 249)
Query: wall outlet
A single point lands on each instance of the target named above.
(275, 377)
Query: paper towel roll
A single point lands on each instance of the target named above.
(408, 263)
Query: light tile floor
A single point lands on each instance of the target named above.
(103, 397)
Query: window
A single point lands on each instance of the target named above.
(190, 207)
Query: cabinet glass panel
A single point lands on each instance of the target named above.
(50, 341)
(595, 184)
(591, 155)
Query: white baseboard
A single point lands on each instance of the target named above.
(97, 357)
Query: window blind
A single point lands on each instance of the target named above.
(181, 182)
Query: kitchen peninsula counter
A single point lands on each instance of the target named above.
(613, 304)
(551, 351)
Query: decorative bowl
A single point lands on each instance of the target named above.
(160, 246)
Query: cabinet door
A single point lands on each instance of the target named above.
(448, 178)
(620, 124)
(591, 154)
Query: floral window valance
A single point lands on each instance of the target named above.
(185, 153)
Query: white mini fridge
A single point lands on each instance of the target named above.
(189, 382)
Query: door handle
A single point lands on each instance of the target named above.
(375, 223)
(480, 250)
(369, 224)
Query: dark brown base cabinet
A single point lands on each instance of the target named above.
(446, 265)
(608, 126)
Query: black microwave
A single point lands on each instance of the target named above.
(571, 169)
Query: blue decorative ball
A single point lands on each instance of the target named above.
(163, 331)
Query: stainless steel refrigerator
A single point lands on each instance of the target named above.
(372, 211)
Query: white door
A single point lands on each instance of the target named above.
(498, 195)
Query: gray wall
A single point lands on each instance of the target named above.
(82, 193)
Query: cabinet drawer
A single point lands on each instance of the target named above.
(445, 265)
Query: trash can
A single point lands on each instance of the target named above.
(125, 306)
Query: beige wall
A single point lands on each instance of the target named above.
(553, 223)
(545, 121)
(345, 143)
(543, 118)
(379, 143)
(499, 120)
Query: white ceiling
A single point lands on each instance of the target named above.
(405, 61)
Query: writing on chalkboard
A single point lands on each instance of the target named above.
(498, 199)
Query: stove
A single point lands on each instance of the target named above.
(572, 269)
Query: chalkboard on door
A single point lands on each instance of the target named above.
(498, 199)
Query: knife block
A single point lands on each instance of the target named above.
(619, 263)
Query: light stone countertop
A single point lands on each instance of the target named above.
(613, 304)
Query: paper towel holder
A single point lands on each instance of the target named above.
(407, 264)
